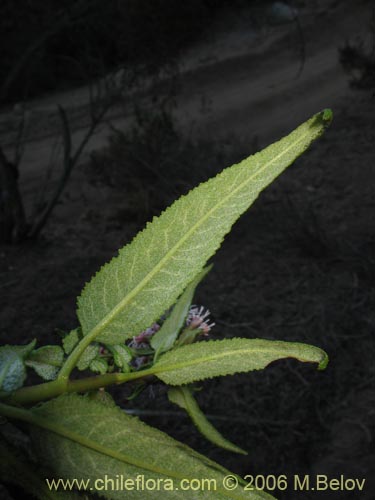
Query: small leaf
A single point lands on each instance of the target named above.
(90, 353)
(226, 357)
(71, 340)
(164, 339)
(122, 356)
(183, 397)
(99, 365)
(12, 366)
(47, 372)
(80, 437)
(46, 361)
(149, 274)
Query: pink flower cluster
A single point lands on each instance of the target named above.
(142, 340)
(198, 318)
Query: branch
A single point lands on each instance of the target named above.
(48, 390)
(70, 161)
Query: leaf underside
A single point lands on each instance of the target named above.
(98, 440)
(148, 275)
(225, 357)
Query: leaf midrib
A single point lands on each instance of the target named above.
(121, 457)
(123, 303)
(185, 364)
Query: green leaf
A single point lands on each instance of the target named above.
(99, 365)
(71, 340)
(46, 361)
(22, 350)
(148, 275)
(12, 371)
(122, 356)
(12, 366)
(183, 397)
(226, 357)
(80, 437)
(164, 339)
(90, 353)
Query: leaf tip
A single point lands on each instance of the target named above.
(323, 362)
(326, 116)
(242, 452)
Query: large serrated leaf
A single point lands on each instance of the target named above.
(148, 275)
(89, 440)
(183, 397)
(225, 357)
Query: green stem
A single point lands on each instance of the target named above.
(15, 413)
(48, 390)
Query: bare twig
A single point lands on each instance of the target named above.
(70, 160)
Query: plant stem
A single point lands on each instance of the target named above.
(48, 390)
(15, 413)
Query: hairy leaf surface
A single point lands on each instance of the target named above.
(148, 275)
(121, 355)
(71, 340)
(183, 397)
(46, 361)
(88, 355)
(99, 365)
(88, 439)
(226, 357)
